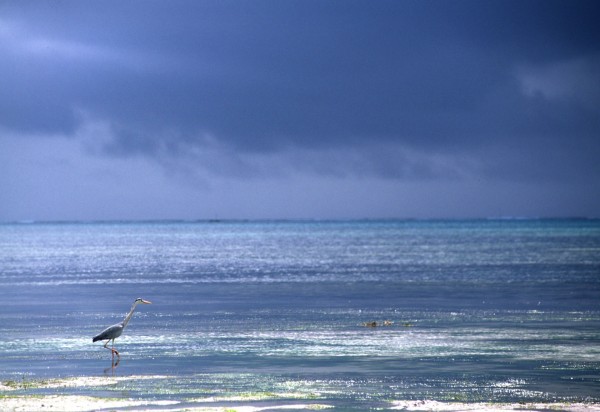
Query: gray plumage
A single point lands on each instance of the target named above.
(111, 332)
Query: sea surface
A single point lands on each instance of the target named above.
(477, 310)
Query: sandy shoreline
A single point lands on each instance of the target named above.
(25, 396)
(76, 403)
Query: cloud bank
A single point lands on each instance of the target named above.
(208, 97)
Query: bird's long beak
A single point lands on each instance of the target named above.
(147, 302)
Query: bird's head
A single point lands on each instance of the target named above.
(140, 300)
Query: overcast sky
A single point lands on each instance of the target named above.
(299, 109)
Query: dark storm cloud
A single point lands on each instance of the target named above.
(438, 77)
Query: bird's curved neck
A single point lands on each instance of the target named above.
(129, 315)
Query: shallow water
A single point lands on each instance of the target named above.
(505, 311)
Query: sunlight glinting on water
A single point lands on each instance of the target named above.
(402, 345)
(476, 310)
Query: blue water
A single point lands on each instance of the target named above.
(505, 311)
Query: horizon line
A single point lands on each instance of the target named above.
(291, 220)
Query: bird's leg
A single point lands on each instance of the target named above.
(114, 350)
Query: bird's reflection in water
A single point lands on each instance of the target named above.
(113, 365)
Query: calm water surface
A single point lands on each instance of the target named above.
(482, 310)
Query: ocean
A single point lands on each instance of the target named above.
(272, 311)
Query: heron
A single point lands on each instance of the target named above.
(114, 331)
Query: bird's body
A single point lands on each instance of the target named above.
(111, 332)
(114, 331)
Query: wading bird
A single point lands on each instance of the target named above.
(115, 331)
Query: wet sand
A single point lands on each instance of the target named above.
(26, 396)
(87, 403)
(492, 407)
